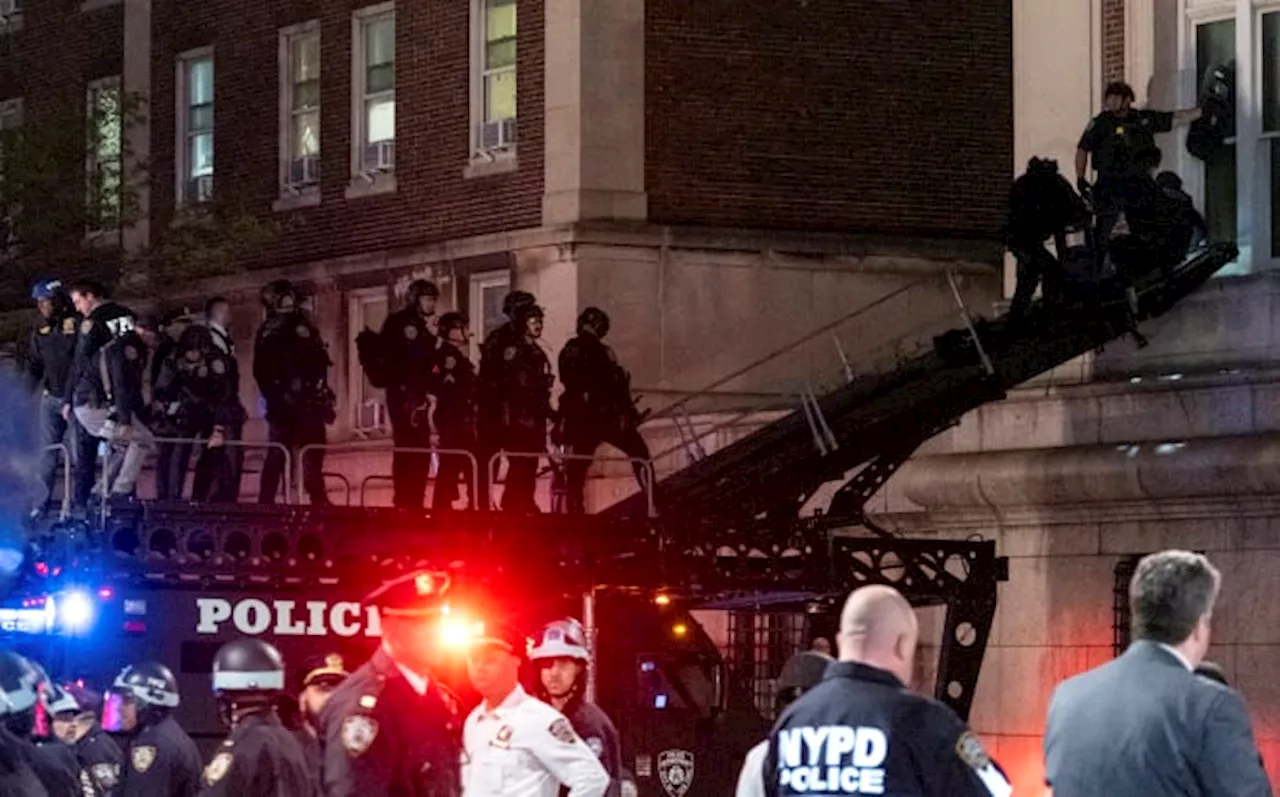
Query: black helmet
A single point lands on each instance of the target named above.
(514, 301)
(150, 683)
(275, 290)
(452, 321)
(595, 320)
(19, 684)
(420, 288)
(196, 337)
(524, 312)
(248, 665)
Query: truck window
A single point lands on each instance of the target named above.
(691, 682)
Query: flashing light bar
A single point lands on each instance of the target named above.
(70, 612)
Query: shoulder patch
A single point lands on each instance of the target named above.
(45, 330)
(85, 326)
(358, 733)
(449, 363)
(368, 701)
(303, 331)
(218, 768)
(142, 757)
(219, 366)
(68, 325)
(410, 331)
(509, 353)
(106, 775)
(971, 752)
(596, 745)
(563, 731)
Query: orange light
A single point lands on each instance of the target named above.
(679, 629)
(456, 632)
(662, 600)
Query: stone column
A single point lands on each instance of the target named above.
(594, 111)
(136, 82)
(1253, 250)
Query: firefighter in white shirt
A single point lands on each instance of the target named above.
(515, 745)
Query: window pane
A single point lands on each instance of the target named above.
(491, 308)
(306, 58)
(1215, 46)
(1271, 72)
(500, 55)
(1275, 197)
(380, 41)
(1220, 194)
(500, 96)
(306, 95)
(306, 133)
(200, 154)
(380, 120)
(500, 20)
(380, 78)
(200, 82)
(200, 118)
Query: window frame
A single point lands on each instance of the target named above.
(8, 107)
(365, 180)
(357, 319)
(182, 108)
(94, 226)
(479, 72)
(291, 194)
(477, 283)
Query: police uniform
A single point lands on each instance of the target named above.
(56, 767)
(490, 381)
(49, 354)
(100, 759)
(217, 473)
(454, 386)
(597, 731)
(409, 348)
(1118, 145)
(380, 733)
(95, 331)
(291, 364)
(330, 670)
(861, 731)
(524, 409)
(17, 778)
(259, 759)
(160, 761)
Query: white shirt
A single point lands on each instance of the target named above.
(1177, 654)
(222, 339)
(751, 778)
(525, 748)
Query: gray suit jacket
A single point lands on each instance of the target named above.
(1143, 724)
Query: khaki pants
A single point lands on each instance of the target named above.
(96, 423)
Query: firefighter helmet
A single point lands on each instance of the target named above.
(595, 320)
(19, 684)
(248, 665)
(150, 683)
(562, 639)
(516, 300)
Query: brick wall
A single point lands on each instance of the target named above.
(877, 116)
(433, 201)
(1112, 40)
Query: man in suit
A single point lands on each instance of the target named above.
(1145, 723)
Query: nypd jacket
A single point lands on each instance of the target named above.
(49, 353)
(160, 761)
(108, 320)
(860, 731)
(260, 758)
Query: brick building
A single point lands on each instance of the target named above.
(722, 179)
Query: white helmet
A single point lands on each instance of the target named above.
(562, 639)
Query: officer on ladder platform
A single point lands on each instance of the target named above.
(561, 656)
(596, 406)
(160, 760)
(515, 745)
(409, 348)
(321, 675)
(490, 385)
(525, 409)
(75, 722)
(260, 758)
(453, 413)
(861, 731)
(391, 727)
(21, 682)
(226, 486)
(49, 353)
(291, 366)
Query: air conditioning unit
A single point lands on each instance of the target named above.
(380, 156)
(498, 135)
(304, 171)
(200, 189)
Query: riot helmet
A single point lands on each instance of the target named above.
(274, 293)
(149, 684)
(523, 317)
(248, 665)
(454, 321)
(419, 289)
(19, 684)
(594, 321)
(515, 301)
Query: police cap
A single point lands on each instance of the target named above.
(418, 594)
(326, 670)
(503, 637)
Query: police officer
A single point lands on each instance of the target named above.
(109, 400)
(409, 346)
(861, 731)
(291, 365)
(160, 760)
(801, 673)
(182, 397)
(208, 385)
(491, 381)
(76, 723)
(221, 481)
(321, 675)
(22, 681)
(49, 354)
(453, 413)
(515, 744)
(391, 728)
(561, 656)
(596, 406)
(21, 772)
(525, 408)
(1041, 206)
(260, 758)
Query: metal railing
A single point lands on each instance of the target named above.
(346, 484)
(377, 447)
(65, 451)
(646, 484)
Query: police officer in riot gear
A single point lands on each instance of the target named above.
(48, 367)
(453, 413)
(291, 365)
(491, 381)
(561, 656)
(801, 673)
(525, 409)
(866, 732)
(183, 408)
(596, 406)
(409, 347)
(225, 461)
(217, 473)
(160, 760)
(1041, 207)
(321, 675)
(75, 722)
(391, 728)
(260, 758)
(22, 681)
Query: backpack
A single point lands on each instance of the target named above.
(373, 357)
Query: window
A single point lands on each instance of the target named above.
(103, 164)
(367, 309)
(10, 124)
(374, 82)
(195, 127)
(300, 109)
(494, 76)
(1216, 46)
(487, 292)
(1271, 116)
(10, 16)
